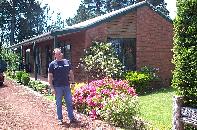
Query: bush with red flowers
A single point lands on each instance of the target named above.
(93, 98)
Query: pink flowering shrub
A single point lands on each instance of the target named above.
(93, 97)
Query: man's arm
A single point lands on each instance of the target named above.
(50, 81)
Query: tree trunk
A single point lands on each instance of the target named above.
(13, 19)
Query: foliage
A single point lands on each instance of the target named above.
(82, 14)
(59, 23)
(91, 98)
(121, 110)
(92, 8)
(161, 6)
(37, 85)
(185, 52)
(11, 74)
(101, 61)
(138, 80)
(11, 58)
(19, 75)
(141, 79)
(22, 77)
(151, 71)
(20, 20)
(25, 78)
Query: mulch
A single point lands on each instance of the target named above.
(24, 109)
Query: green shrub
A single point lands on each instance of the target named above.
(101, 61)
(142, 79)
(139, 80)
(31, 83)
(121, 111)
(12, 58)
(185, 52)
(10, 74)
(37, 85)
(151, 71)
(19, 75)
(41, 88)
(25, 78)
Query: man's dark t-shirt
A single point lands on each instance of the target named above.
(60, 71)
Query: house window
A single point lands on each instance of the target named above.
(126, 51)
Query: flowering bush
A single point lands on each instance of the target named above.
(100, 60)
(91, 98)
(121, 111)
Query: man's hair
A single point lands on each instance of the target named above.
(55, 50)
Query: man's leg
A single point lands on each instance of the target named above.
(59, 95)
(68, 101)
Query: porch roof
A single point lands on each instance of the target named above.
(89, 23)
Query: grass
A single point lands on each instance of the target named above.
(156, 108)
(50, 97)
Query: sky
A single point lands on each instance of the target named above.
(68, 8)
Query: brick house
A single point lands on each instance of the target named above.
(138, 30)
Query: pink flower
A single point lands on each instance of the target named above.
(93, 114)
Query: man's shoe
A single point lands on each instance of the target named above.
(60, 122)
(74, 121)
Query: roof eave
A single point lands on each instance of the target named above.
(30, 41)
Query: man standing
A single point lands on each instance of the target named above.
(60, 75)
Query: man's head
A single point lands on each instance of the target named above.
(57, 54)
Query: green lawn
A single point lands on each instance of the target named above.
(156, 108)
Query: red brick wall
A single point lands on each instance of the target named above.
(154, 42)
(122, 27)
(97, 33)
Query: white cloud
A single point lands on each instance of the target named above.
(67, 8)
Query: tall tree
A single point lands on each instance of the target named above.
(93, 8)
(83, 14)
(59, 23)
(160, 5)
(21, 19)
(4, 21)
